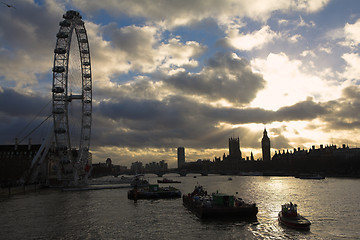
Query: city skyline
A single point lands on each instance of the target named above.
(191, 74)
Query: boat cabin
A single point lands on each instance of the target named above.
(289, 209)
(153, 187)
(223, 199)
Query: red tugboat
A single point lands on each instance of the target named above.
(289, 217)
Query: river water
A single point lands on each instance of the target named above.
(332, 205)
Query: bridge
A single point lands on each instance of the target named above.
(182, 172)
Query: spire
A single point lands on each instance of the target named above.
(265, 145)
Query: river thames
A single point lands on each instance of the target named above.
(332, 205)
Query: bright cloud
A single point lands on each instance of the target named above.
(288, 83)
(302, 23)
(352, 71)
(137, 49)
(175, 54)
(178, 13)
(295, 38)
(254, 40)
(352, 33)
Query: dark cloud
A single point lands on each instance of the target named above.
(224, 77)
(178, 120)
(351, 93)
(344, 112)
(157, 123)
(15, 104)
(27, 40)
(172, 121)
(32, 27)
(280, 142)
(136, 42)
(305, 110)
(20, 114)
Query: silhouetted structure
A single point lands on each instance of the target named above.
(330, 160)
(153, 167)
(137, 168)
(265, 146)
(232, 161)
(181, 156)
(15, 161)
(108, 162)
(234, 148)
(107, 169)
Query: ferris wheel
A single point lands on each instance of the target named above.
(72, 152)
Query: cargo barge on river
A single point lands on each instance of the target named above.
(218, 205)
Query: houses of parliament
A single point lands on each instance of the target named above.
(327, 160)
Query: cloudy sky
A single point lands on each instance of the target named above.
(191, 73)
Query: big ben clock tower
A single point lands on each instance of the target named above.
(265, 145)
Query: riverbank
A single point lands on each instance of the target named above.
(14, 190)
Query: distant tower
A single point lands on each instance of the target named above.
(108, 162)
(234, 148)
(265, 145)
(181, 156)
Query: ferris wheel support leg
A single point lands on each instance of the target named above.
(39, 157)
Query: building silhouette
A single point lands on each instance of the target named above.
(15, 161)
(329, 160)
(326, 160)
(232, 161)
(161, 166)
(137, 167)
(181, 156)
(265, 146)
(108, 162)
(234, 148)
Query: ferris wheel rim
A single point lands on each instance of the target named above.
(60, 91)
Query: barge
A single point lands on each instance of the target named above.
(153, 191)
(218, 205)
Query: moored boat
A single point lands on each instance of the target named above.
(107, 180)
(153, 191)
(288, 216)
(312, 176)
(218, 205)
(139, 181)
(166, 180)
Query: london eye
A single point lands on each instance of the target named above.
(72, 152)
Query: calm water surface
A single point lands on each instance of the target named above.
(332, 205)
